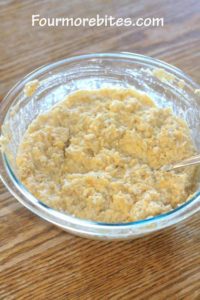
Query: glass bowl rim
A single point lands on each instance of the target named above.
(64, 216)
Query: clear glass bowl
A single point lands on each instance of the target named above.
(94, 71)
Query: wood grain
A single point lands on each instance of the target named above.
(39, 261)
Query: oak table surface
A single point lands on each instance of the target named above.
(38, 260)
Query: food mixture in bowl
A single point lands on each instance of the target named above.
(98, 155)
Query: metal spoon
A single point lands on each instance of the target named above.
(193, 160)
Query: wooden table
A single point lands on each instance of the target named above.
(39, 261)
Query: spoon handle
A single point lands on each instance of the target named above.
(193, 160)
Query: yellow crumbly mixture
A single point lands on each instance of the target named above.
(97, 155)
(31, 87)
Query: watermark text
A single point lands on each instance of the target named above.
(97, 21)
